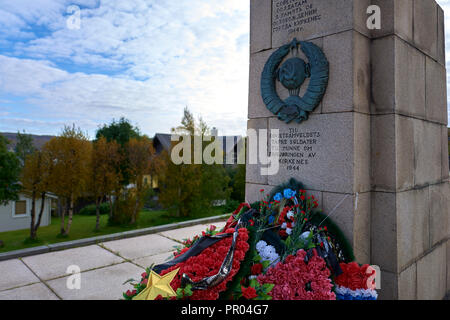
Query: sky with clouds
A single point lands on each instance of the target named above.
(142, 59)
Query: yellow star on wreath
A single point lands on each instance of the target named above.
(158, 285)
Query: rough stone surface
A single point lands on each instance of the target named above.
(349, 86)
(329, 164)
(409, 80)
(413, 227)
(101, 284)
(260, 25)
(383, 153)
(439, 212)
(330, 17)
(396, 18)
(252, 191)
(401, 91)
(338, 49)
(54, 264)
(383, 77)
(14, 274)
(362, 228)
(427, 153)
(343, 216)
(404, 132)
(441, 37)
(389, 286)
(407, 287)
(256, 173)
(445, 154)
(362, 150)
(37, 291)
(384, 231)
(141, 247)
(425, 26)
(361, 73)
(436, 94)
(256, 106)
(431, 275)
(448, 265)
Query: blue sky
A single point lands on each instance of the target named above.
(141, 59)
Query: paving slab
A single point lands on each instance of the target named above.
(140, 247)
(37, 291)
(15, 274)
(155, 259)
(219, 225)
(185, 233)
(54, 264)
(101, 284)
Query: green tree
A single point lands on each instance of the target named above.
(9, 173)
(121, 132)
(192, 188)
(140, 154)
(237, 182)
(24, 146)
(104, 178)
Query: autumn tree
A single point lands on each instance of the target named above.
(70, 156)
(35, 178)
(140, 155)
(104, 178)
(9, 173)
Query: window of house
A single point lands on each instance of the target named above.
(20, 208)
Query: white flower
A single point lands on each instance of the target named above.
(260, 246)
(305, 235)
(284, 226)
(290, 215)
(289, 231)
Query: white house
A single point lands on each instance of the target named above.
(16, 215)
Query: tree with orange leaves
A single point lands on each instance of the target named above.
(35, 177)
(69, 156)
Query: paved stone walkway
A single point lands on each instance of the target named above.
(104, 267)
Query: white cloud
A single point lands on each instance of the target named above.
(142, 59)
(151, 58)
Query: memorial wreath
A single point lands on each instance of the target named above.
(280, 248)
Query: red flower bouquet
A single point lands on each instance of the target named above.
(208, 264)
(296, 279)
(356, 277)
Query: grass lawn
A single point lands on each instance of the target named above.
(83, 227)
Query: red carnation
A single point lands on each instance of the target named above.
(295, 279)
(257, 269)
(208, 263)
(249, 293)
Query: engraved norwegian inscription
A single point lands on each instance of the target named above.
(296, 148)
(292, 16)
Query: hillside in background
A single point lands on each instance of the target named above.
(38, 141)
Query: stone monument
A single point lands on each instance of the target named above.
(374, 149)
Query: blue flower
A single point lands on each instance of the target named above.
(271, 219)
(288, 193)
(278, 197)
